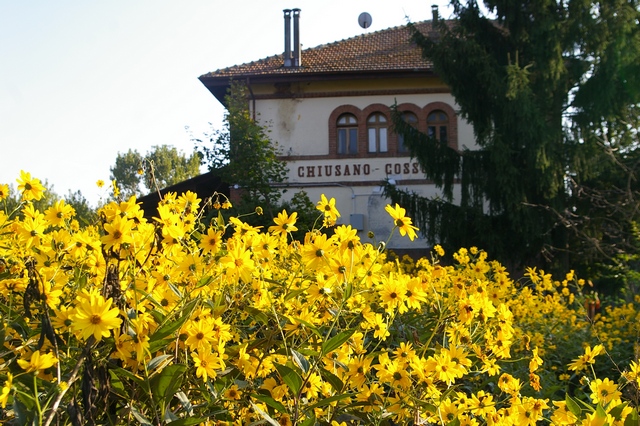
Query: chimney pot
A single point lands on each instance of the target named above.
(434, 12)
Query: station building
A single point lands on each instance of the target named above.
(329, 109)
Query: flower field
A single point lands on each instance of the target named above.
(174, 321)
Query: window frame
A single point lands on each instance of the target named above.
(377, 133)
(347, 127)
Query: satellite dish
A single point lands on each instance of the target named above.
(364, 20)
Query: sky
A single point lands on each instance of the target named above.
(81, 81)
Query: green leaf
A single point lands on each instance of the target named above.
(333, 380)
(270, 402)
(126, 374)
(348, 290)
(167, 382)
(294, 293)
(184, 400)
(300, 361)
(616, 411)
(572, 405)
(158, 362)
(336, 341)
(140, 418)
(290, 377)
(257, 315)
(600, 412)
(265, 415)
(170, 326)
(310, 326)
(206, 280)
(311, 420)
(117, 387)
(329, 400)
(632, 418)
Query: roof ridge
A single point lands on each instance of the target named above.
(360, 52)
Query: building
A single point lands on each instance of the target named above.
(329, 109)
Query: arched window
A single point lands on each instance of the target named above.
(347, 134)
(438, 125)
(412, 120)
(377, 132)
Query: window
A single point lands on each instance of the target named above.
(412, 119)
(347, 134)
(377, 132)
(437, 126)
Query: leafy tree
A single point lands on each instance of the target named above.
(244, 155)
(85, 214)
(549, 88)
(161, 167)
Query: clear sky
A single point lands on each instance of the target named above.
(81, 81)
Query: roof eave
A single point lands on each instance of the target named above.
(218, 85)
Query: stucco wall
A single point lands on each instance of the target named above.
(301, 126)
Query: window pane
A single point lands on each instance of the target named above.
(342, 141)
(372, 140)
(353, 141)
(347, 119)
(383, 139)
(401, 146)
(431, 131)
(443, 134)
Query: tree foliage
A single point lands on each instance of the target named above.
(244, 155)
(161, 167)
(551, 90)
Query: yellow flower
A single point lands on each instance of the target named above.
(392, 294)
(482, 404)
(402, 222)
(604, 391)
(535, 361)
(239, 263)
(30, 230)
(233, 393)
(284, 223)
(201, 334)
(58, 213)
(328, 207)
(393, 373)
(118, 233)
(207, 363)
(211, 242)
(100, 183)
(312, 385)
(6, 389)
(4, 191)
(94, 316)
(38, 362)
(316, 252)
(31, 188)
(589, 357)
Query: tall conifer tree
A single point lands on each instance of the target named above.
(544, 83)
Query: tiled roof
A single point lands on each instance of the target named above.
(384, 50)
